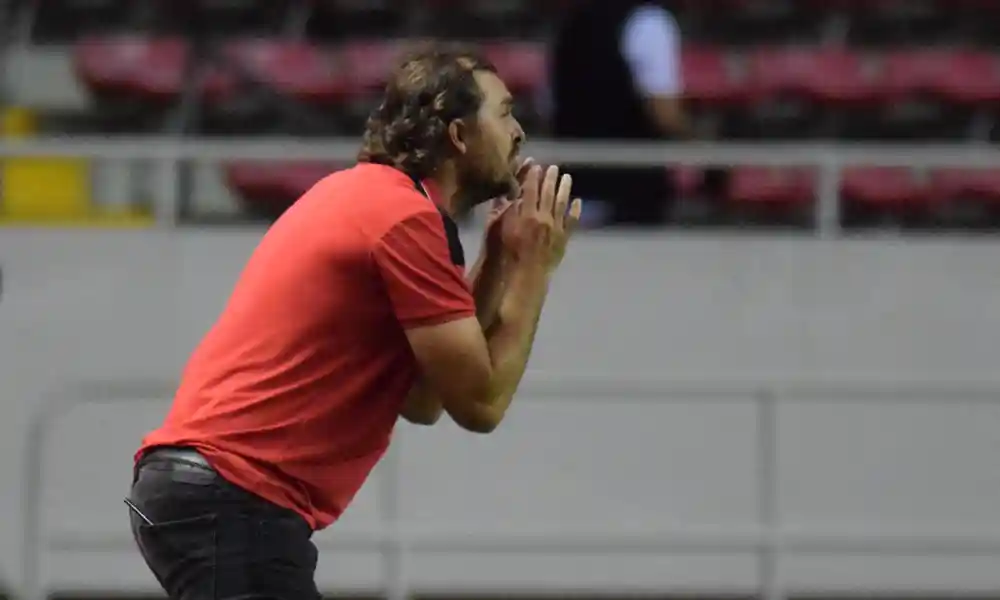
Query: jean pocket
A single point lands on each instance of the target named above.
(181, 553)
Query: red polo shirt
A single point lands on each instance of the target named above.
(294, 392)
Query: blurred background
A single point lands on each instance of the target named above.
(767, 370)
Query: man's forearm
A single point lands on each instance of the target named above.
(513, 334)
(486, 280)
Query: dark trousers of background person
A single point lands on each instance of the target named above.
(641, 197)
(207, 539)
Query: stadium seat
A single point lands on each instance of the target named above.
(522, 64)
(800, 91)
(712, 93)
(771, 195)
(700, 193)
(368, 64)
(708, 80)
(930, 93)
(954, 184)
(828, 76)
(964, 78)
(302, 71)
(967, 196)
(687, 180)
(524, 67)
(291, 84)
(267, 189)
(131, 76)
(884, 195)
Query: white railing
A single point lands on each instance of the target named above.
(770, 541)
(167, 153)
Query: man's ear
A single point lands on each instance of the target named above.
(457, 134)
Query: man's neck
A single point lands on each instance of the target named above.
(443, 190)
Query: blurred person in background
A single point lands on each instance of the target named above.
(616, 75)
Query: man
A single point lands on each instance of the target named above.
(351, 312)
(616, 76)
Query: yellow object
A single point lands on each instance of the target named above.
(45, 188)
(18, 122)
(50, 191)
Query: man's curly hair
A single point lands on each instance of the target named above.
(431, 87)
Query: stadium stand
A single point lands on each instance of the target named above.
(753, 69)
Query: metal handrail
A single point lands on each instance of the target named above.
(169, 153)
(770, 541)
(603, 153)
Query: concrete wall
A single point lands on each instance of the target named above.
(725, 312)
(43, 77)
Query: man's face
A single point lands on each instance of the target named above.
(488, 169)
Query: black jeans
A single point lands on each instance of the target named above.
(207, 539)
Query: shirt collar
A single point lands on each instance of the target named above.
(432, 191)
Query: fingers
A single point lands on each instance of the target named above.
(526, 165)
(573, 217)
(562, 199)
(547, 196)
(530, 192)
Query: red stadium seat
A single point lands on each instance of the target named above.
(957, 77)
(952, 185)
(132, 67)
(781, 188)
(707, 77)
(687, 180)
(883, 188)
(369, 64)
(522, 64)
(966, 197)
(831, 76)
(297, 69)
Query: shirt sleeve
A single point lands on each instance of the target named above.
(425, 285)
(651, 45)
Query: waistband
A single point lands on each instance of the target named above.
(179, 455)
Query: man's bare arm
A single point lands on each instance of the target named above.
(486, 278)
(478, 396)
(477, 377)
(670, 117)
(510, 342)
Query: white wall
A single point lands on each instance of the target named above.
(128, 305)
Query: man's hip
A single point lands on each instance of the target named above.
(207, 539)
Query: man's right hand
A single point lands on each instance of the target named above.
(545, 218)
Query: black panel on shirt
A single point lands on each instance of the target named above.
(450, 229)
